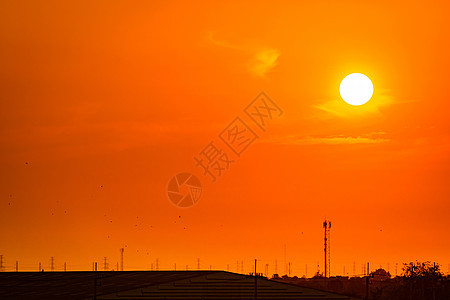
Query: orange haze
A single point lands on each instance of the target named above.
(103, 102)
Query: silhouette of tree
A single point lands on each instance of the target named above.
(423, 279)
(422, 270)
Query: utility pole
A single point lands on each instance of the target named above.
(198, 263)
(276, 266)
(1, 263)
(256, 283)
(65, 267)
(327, 226)
(17, 266)
(121, 258)
(39, 267)
(105, 264)
(367, 282)
(52, 264)
(95, 266)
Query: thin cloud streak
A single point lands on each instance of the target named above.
(371, 138)
(262, 61)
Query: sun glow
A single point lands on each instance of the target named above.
(356, 89)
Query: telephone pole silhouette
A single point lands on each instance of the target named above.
(256, 283)
(105, 264)
(276, 266)
(121, 258)
(1, 263)
(52, 264)
(327, 226)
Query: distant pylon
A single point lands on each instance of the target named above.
(39, 267)
(198, 263)
(157, 264)
(121, 258)
(65, 267)
(17, 266)
(327, 226)
(1, 263)
(52, 264)
(105, 264)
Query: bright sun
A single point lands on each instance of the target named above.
(356, 89)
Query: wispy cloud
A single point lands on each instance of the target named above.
(339, 108)
(371, 138)
(340, 140)
(261, 61)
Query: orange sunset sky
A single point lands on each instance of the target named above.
(103, 102)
